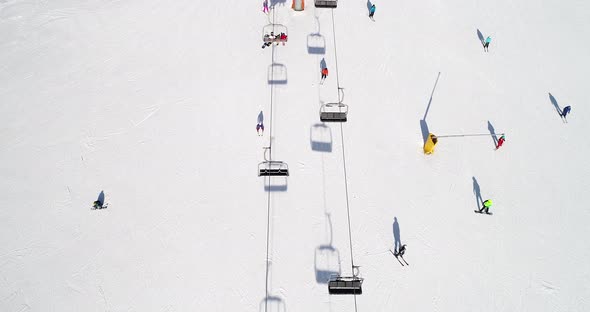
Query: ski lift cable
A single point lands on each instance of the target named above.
(268, 198)
(343, 155)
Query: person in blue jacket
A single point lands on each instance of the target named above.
(565, 111)
(486, 44)
(372, 11)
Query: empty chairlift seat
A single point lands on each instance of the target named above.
(341, 285)
(326, 4)
(334, 112)
(273, 169)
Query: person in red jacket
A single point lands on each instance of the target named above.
(500, 142)
(324, 74)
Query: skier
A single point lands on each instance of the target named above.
(565, 111)
(260, 128)
(401, 251)
(486, 206)
(486, 45)
(500, 141)
(372, 12)
(265, 6)
(324, 74)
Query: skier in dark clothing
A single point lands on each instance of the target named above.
(98, 205)
(259, 127)
(565, 111)
(401, 251)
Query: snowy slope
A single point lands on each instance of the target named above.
(155, 103)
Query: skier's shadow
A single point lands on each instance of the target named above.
(554, 102)
(480, 36)
(261, 118)
(396, 235)
(477, 192)
(493, 133)
(323, 63)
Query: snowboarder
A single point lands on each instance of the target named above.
(98, 205)
(500, 141)
(265, 6)
(565, 111)
(486, 206)
(324, 74)
(486, 44)
(372, 12)
(260, 128)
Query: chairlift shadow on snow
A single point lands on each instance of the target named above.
(326, 258)
(272, 304)
(275, 2)
(320, 138)
(477, 192)
(493, 133)
(316, 43)
(277, 74)
(480, 36)
(326, 263)
(554, 102)
(276, 184)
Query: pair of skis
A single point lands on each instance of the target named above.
(397, 257)
(481, 212)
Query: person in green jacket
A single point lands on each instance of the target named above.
(486, 206)
(486, 45)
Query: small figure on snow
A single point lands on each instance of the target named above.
(98, 205)
(372, 11)
(500, 141)
(486, 44)
(265, 6)
(324, 74)
(401, 251)
(565, 111)
(260, 128)
(486, 206)
(400, 254)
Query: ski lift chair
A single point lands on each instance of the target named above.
(273, 32)
(331, 4)
(343, 285)
(273, 168)
(334, 112)
(316, 44)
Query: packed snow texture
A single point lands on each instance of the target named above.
(156, 102)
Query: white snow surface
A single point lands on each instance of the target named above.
(155, 103)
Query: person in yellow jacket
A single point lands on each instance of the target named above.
(486, 206)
